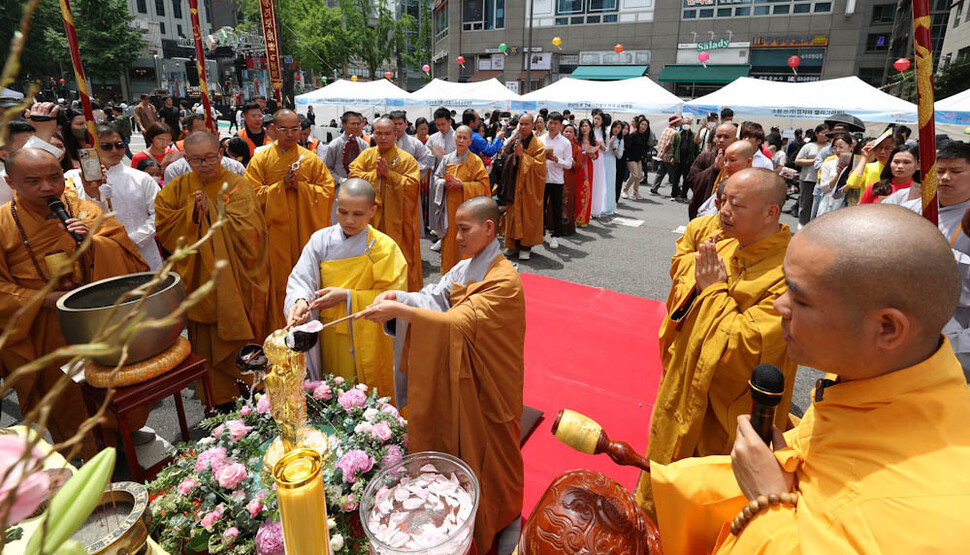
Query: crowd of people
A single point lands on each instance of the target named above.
(323, 230)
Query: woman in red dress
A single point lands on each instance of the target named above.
(571, 180)
(584, 182)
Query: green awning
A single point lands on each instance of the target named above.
(696, 73)
(608, 73)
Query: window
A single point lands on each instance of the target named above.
(142, 6)
(161, 27)
(883, 13)
(441, 22)
(761, 10)
(180, 33)
(599, 11)
(160, 9)
(823, 7)
(690, 14)
(706, 13)
(877, 42)
(742, 11)
(782, 9)
(177, 9)
(480, 15)
(724, 12)
(802, 8)
(723, 9)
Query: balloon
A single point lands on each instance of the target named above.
(323, 80)
(353, 78)
(703, 56)
(901, 64)
(389, 75)
(503, 47)
(460, 60)
(794, 61)
(618, 48)
(556, 41)
(426, 68)
(62, 80)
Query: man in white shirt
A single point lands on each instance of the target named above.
(754, 133)
(127, 192)
(559, 157)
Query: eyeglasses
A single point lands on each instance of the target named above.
(196, 161)
(289, 129)
(120, 145)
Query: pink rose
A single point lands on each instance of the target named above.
(269, 539)
(390, 409)
(230, 534)
(211, 458)
(187, 486)
(245, 411)
(323, 392)
(352, 399)
(30, 488)
(350, 504)
(363, 428)
(237, 429)
(231, 475)
(354, 463)
(262, 405)
(217, 432)
(255, 506)
(382, 431)
(338, 380)
(310, 385)
(393, 456)
(209, 520)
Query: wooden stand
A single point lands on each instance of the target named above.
(126, 399)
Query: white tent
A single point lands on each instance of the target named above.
(954, 110)
(628, 96)
(490, 94)
(366, 97)
(771, 100)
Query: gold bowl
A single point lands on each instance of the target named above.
(120, 523)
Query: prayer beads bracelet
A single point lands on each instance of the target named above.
(758, 505)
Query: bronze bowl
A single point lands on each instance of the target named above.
(85, 310)
(120, 523)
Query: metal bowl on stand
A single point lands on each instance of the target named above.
(85, 310)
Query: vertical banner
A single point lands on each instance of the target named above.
(200, 65)
(82, 82)
(267, 12)
(922, 42)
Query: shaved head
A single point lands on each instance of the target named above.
(526, 117)
(741, 148)
(201, 138)
(481, 209)
(25, 157)
(384, 122)
(751, 205)
(769, 185)
(464, 129)
(283, 115)
(886, 256)
(358, 188)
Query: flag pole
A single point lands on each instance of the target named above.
(82, 83)
(200, 66)
(922, 42)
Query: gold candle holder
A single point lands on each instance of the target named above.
(303, 510)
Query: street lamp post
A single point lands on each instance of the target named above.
(158, 77)
(528, 50)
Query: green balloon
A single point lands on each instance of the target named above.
(323, 80)
(503, 47)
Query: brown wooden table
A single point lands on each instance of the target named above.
(126, 399)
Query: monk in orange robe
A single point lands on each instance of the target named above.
(458, 178)
(525, 173)
(295, 192)
(878, 462)
(394, 173)
(460, 373)
(27, 239)
(720, 324)
(235, 312)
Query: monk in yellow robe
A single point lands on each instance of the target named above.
(525, 173)
(458, 178)
(879, 460)
(342, 270)
(720, 324)
(28, 238)
(295, 192)
(235, 313)
(394, 173)
(460, 372)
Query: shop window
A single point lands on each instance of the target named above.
(871, 75)
(883, 13)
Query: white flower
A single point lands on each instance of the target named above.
(370, 414)
(337, 542)
(331, 524)
(207, 440)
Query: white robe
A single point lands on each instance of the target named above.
(598, 204)
(130, 194)
(325, 244)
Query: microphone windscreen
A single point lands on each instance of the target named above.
(54, 203)
(767, 384)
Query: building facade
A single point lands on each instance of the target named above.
(956, 45)
(692, 47)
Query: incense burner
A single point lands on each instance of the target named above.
(119, 524)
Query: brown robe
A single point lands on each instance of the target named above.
(523, 217)
(701, 178)
(464, 379)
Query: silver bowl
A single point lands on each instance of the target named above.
(84, 311)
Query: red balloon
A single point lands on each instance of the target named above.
(901, 64)
(618, 48)
(460, 60)
(794, 61)
(389, 75)
(62, 81)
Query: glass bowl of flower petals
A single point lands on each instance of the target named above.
(424, 504)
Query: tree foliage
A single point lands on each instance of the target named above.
(377, 35)
(36, 60)
(420, 50)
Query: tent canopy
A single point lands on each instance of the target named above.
(348, 93)
(756, 98)
(639, 95)
(954, 110)
(10, 93)
(488, 94)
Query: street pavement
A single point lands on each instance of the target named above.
(628, 253)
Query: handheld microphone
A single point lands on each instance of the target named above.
(767, 387)
(57, 207)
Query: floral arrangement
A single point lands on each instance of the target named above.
(217, 498)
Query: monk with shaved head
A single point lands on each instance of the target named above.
(720, 324)
(460, 373)
(708, 170)
(878, 462)
(342, 270)
(235, 312)
(737, 156)
(295, 192)
(396, 177)
(523, 189)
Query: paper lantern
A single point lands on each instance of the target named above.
(353, 78)
(618, 48)
(389, 75)
(503, 48)
(901, 64)
(62, 81)
(794, 61)
(557, 42)
(703, 57)
(460, 60)
(426, 68)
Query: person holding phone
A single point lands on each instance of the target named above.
(830, 197)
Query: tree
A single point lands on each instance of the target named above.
(422, 42)
(373, 31)
(36, 61)
(952, 80)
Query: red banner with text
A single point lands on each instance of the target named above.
(267, 12)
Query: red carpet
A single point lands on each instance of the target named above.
(594, 351)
